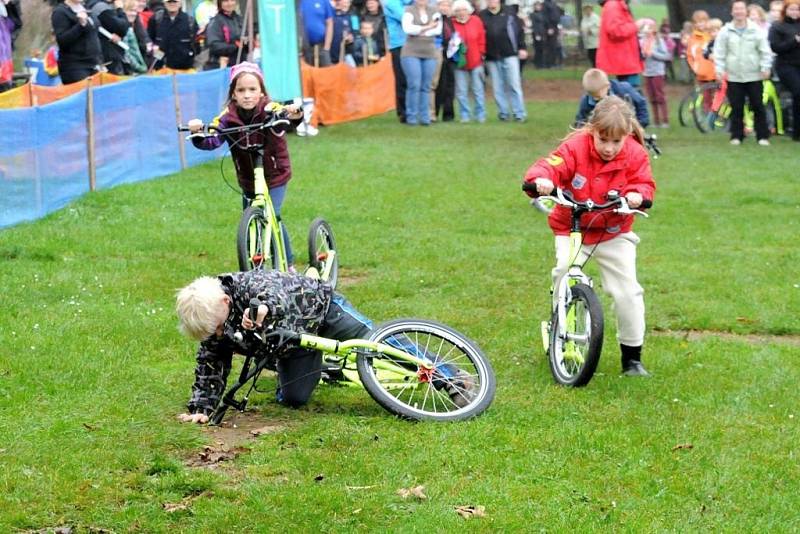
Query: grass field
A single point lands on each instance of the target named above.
(430, 223)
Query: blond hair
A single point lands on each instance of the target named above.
(613, 117)
(198, 307)
(714, 25)
(594, 80)
(130, 5)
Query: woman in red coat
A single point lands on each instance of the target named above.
(469, 70)
(618, 47)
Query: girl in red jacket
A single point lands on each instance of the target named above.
(605, 154)
(249, 103)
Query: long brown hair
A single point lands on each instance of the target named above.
(235, 80)
(613, 117)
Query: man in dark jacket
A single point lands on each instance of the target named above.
(173, 33)
(505, 47)
(79, 52)
(112, 26)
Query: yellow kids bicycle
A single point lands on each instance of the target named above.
(573, 337)
(259, 239)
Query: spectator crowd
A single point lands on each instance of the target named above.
(442, 50)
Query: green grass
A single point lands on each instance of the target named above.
(430, 223)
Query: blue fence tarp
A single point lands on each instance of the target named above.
(45, 165)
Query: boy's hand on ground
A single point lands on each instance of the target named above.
(634, 199)
(544, 186)
(199, 418)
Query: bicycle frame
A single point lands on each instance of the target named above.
(264, 201)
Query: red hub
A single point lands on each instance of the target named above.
(425, 375)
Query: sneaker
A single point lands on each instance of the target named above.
(520, 119)
(763, 142)
(464, 121)
(460, 388)
(664, 125)
(736, 142)
(634, 368)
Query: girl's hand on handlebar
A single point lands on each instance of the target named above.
(293, 111)
(199, 418)
(634, 199)
(195, 125)
(247, 323)
(544, 186)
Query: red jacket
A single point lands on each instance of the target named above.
(473, 34)
(618, 47)
(577, 167)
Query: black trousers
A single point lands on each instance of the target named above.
(591, 53)
(299, 372)
(399, 84)
(790, 78)
(73, 75)
(445, 91)
(737, 92)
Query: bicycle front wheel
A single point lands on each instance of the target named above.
(255, 247)
(574, 357)
(322, 251)
(686, 107)
(711, 111)
(460, 384)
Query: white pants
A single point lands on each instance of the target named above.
(617, 261)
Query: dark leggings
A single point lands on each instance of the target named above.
(299, 372)
(790, 78)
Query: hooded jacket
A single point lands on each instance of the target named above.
(618, 45)
(277, 166)
(743, 54)
(78, 46)
(577, 167)
(473, 35)
(783, 40)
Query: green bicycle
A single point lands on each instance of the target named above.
(573, 337)
(711, 110)
(259, 239)
(414, 368)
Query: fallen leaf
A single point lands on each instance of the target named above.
(745, 320)
(265, 430)
(468, 512)
(357, 510)
(319, 477)
(89, 427)
(211, 456)
(682, 446)
(171, 507)
(353, 487)
(416, 491)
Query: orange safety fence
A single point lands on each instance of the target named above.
(343, 93)
(30, 95)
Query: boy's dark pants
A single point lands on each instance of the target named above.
(299, 372)
(445, 91)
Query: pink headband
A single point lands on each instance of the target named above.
(250, 68)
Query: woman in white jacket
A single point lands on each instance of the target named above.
(743, 56)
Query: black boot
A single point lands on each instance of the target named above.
(632, 361)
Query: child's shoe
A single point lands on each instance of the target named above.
(632, 361)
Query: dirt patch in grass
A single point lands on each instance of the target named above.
(231, 438)
(351, 278)
(753, 339)
(560, 90)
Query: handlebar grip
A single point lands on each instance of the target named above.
(183, 129)
(646, 203)
(253, 307)
(530, 187)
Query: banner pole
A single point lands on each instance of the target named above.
(250, 30)
(176, 95)
(90, 131)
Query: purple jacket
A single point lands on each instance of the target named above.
(277, 166)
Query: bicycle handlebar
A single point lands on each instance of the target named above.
(565, 198)
(277, 118)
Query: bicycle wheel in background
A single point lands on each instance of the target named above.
(460, 385)
(573, 359)
(255, 247)
(685, 109)
(709, 117)
(322, 251)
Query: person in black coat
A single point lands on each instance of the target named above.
(110, 17)
(224, 36)
(539, 33)
(79, 52)
(173, 32)
(784, 39)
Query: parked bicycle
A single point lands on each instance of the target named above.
(573, 337)
(259, 241)
(711, 110)
(414, 368)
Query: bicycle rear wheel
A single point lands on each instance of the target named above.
(322, 251)
(460, 385)
(710, 116)
(255, 247)
(574, 358)
(685, 109)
